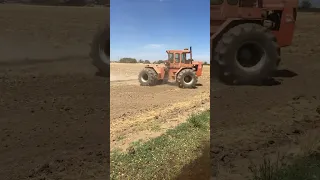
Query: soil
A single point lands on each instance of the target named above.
(280, 118)
(140, 113)
(53, 109)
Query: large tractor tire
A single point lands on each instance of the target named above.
(187, 78)
(247, 54)
(100, 51)
(148, 77)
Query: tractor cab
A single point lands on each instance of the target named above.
(179, 58)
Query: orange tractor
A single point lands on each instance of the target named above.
(177, 68)
(246, 37)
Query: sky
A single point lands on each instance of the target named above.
(145, 29)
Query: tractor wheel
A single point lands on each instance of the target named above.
(187, 78)
(247, 54)
(148, 77)
(100, 51)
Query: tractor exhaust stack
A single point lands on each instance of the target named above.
(190, 52)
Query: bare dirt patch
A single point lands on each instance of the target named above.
(125, 72)
(138, 112)
(53, 110)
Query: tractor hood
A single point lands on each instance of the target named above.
(197, 62)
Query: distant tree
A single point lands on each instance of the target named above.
(147, 62)
(44, 2)
(141, 61)
(305, 4)
(103, 2)
(76, 2)
(205, 63)
(160, 62)
(128, 60)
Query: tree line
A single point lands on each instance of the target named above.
(305, 4)
(308, 6)
(133, 60)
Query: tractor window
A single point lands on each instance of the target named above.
(216, 2)
(183, 57)
(170, 57)
(177, 58)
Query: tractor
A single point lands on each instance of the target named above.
(179, 68)
(247, 37)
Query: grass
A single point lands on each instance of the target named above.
(302, 168)
(165, 156)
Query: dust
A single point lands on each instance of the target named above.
(121, 77)
(124, 71)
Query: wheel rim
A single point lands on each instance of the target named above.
(144, 78)
(250, 54)
(104, 52)
(188, 79)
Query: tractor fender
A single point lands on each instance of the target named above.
(199, 68)
(230, 23)
(159, 70)
(224, 27)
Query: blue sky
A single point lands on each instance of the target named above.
(144, 29)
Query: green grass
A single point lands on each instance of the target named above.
(165, 156)
(302, 168)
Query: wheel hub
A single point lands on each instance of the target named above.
(145, 77)
(187, 79)
(250, 54)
